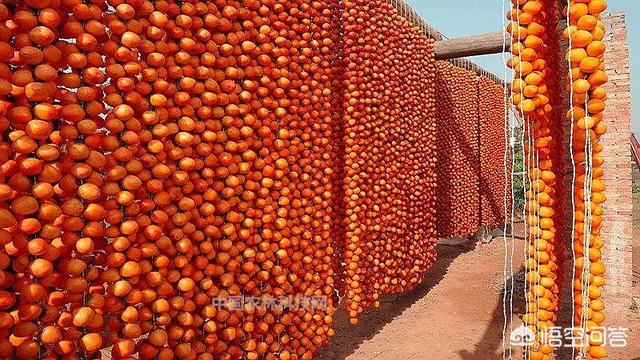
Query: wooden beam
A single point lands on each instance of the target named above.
(406, 11)
(635, 149)
(483, 44)
(471, 66)
(430, 32)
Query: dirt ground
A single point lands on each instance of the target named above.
(455, 314)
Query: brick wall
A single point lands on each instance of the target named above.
(618, 220)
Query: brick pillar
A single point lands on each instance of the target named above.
(617, 229)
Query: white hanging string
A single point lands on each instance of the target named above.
(587, 234)
(573, 175)
(504, 270)
(526, 181)
(588, 178)
(508, 184)
(512, 211)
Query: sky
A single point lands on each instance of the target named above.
(456, 18)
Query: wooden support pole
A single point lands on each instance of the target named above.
(635, 149)
(471, 66)
(412, 16)
(483, 44)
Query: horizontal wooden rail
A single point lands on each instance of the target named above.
(483, 44)
(412, 17)
(635, 149)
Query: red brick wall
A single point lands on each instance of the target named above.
(618, 220)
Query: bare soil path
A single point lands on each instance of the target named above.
(456, 314)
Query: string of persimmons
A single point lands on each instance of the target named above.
(537, 95)
(158, 157)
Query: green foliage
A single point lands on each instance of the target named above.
(518, 177)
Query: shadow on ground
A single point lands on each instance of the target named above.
(491, 346)
(348, 338)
